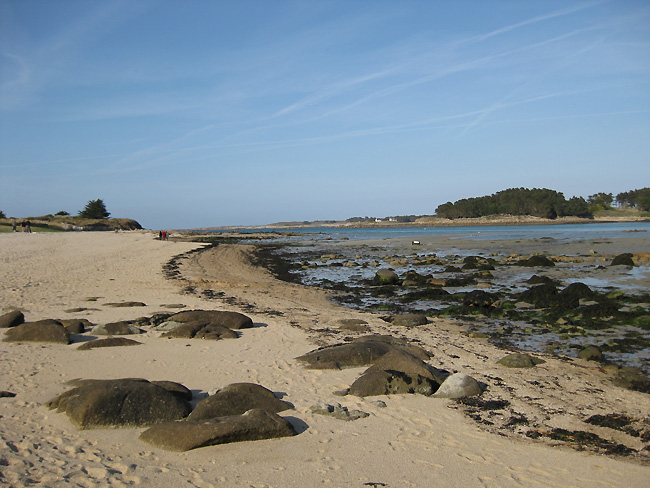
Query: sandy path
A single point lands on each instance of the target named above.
(414, 441)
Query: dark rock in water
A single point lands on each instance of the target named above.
(338, 412)
(578, 290)
(452, 269)
(457, 281)
(605, 308)
(591, 353)
(458, 385)
(41, 331)
(392, 382)
(11, 319)
(116, 328)
(471, 262)
(125, 304)
(231, 320)
(201, 330)
(237, 398)
(546, 295)
(479, 299)
(541, 280)
(429, 293)
(405, 362)
(624, 259)
(409, 319)
(520, 361)
(386, 277)
(109, 342)
(185, 435)
(76, 326)
(119, 403)
(536, 261)
(414, 278)
(360, 352)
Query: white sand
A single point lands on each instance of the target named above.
(414, 442)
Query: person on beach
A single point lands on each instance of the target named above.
(28, 226)
(22, 226)
(160, 235)
(13, 225)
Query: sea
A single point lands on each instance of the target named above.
(561, 232)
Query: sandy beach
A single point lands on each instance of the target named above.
(410, 441)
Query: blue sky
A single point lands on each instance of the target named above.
(209, 113)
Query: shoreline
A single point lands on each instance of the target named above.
(407, 442)
(434, 222)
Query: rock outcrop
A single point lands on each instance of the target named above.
(11, 319)
(47, 330)
(236, 399)
(120, 403)
(253, 425)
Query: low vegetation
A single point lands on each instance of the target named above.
(94, 216)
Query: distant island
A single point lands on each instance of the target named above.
(514, 206)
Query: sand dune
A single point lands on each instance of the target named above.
(413, 441)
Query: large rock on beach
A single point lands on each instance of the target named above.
(125, 304)
(231, 320)
(458, 385)
(337, 411)
(76, 326)
(200, 330)
(519, 361)
(353, 325)
(11, 319)
(116, 328)
(405, 362)
(236, 399)
(47, 330)
(391, 383)
(185, 435)
(120, 403)
(408, 319)
(363, 351)
(108, 342)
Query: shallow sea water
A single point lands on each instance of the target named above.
(326, 262)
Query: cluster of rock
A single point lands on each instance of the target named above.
(194, 324)
(238, 412)
(395, 367)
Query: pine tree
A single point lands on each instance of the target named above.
(95, 209)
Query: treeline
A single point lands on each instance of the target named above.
(635, 198)
(548, 204)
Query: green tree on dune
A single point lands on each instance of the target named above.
(95, 209)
